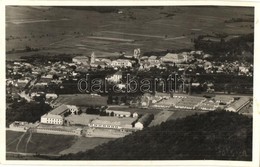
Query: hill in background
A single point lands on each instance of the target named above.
(210, 136)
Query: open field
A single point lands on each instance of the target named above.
(55, 30)
(37, 143)
(83, 144)
(27, 144)
(161, 117)
(178, 114)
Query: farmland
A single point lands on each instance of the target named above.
(57, 30)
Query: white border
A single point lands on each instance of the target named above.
(256, 115)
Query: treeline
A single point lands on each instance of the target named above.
(163, 53)
(39, 58)
(23, 111)
(26, 49)
(226, 50)
(211, 136)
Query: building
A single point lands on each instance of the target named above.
(190, 102)
(73, 109)
(115, 78)
(61, 110)
(174, 58)
(121, 63)
(97, 64)
(56, 116)
(52, 119)
(238, 105)
(208, 106)
(118, 113)
(80, 60)
(223, 99)
(112, 123)
(51, 96)
(21, 126)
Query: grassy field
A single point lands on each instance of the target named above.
(46, 144)
(161, 117)
(37, 143)
(64, 30)
(83, 144)
(178, 114)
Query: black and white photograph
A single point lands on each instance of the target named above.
(129, 82)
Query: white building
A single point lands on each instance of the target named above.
(174, 58)
(121, 63)
(51, 96)
(73, 109)
(115, 78)
(80, 60)
(119, 113)
(52, 119)
(139, 125)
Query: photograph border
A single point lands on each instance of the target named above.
(256, 90)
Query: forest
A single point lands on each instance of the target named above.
(210, 136)
(24, 111)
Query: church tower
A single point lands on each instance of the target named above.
(92, 58)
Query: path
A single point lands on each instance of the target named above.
(20, 139)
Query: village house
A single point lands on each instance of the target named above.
(115, 78)
(174, 58)
(80, 60)
(121, 63)
(51, 96)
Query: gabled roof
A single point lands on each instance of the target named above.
(59, 110)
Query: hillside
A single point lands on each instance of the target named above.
(211, 136)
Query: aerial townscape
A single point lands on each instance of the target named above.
(94, 97)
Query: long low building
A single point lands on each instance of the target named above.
(238, 105)
(112, 123)
(190, 102)
(118, 113)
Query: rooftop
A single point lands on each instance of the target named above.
(237, 104)
(49, 115)
(59, 110)
(114, 120)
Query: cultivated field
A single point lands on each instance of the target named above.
(55, 30)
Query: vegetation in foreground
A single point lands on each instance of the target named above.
(211, 136)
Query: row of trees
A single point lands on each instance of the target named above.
(226, 50)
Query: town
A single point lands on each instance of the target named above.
(78, 110)
(129, 82)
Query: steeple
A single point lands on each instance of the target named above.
(93, 57)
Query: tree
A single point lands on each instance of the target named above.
(112, 114)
